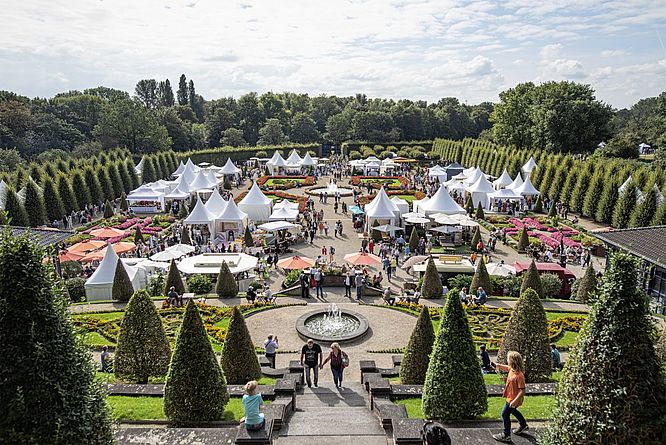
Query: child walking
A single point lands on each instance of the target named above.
(514, 394)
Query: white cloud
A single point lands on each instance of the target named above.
(614, 53)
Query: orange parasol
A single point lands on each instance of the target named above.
(362, 259)
(87, 246)
(295, 262)
(70, 256)
(123, 247)
(107, 232)
(119, 248)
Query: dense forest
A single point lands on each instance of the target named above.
(554, 116)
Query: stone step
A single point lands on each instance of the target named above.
(332, 421)
(337, 440)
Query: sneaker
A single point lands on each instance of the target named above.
(521, 429)
(501, 437)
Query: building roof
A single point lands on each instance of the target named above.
(648, 243)
(43, 237)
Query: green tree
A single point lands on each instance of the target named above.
(122, 289)
(552, 213)
(125, 123)
(612, 389)
(531, 280)
(644, 212)
(182, 93)
(607, 201)
(594, 191)
(54, 206)
(108, 210)
(475, 238)
(469, 206)
(454, 387)
(413, 240)
(538, 205)
(195, 388)
(625, 206)
(131, 173)
(143, 349)
(232, 137)
(524, 239)
(148, 174)
(303, 129)
(527, 333)
(481, 278)
(239, 361)
(271, 133)
(417, 354)
(66, 193)
(174, 279)
(116, 181)
(35, 330)
(660, 215)
(226, 286)
(16, 213)
(105, 183)
(249, 241)
(579, 192)
(124, 205)
(479, 212)
(34, 205)
(432, 283)
(587, 286)
(93, 187)
(185, 237)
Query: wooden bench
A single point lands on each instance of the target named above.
(259, 437)
(450, 259)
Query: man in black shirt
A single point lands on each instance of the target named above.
(311, 359)
(486, 365)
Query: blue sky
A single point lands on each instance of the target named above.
(421, 49)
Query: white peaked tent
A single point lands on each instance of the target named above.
(146, 193)
(216, 203)
(624, 185)
(401, 204)
(505, 194)
(188, 174)
(294, 158)
(474, 176)
(201, 182)
(286, 204)
(381, 209)
(100, 284)
(212, 179)
(480, 191)
(529, 166)
(189, 165)
(284, 214)
(182, 191)
(229, 168)
(233, 216)
(179, 170)
(467, 172)
(527, 189)
(257, 205)
(441, 202)
(503, 181)
(437, 172)
(276, 161)
(138, 168)
(199, 215)
(516, 183)
(3, 193)
(308, 161)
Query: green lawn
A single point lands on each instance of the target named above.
(568, 339)
(554, 315)
(535, 407)
(488, 379)
(281, 181)
(94, 339)
(151, 408)
(102, 316)
(107, 377)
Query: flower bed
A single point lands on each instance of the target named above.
(149, 226)
(541, 230)
(284, 182)
(392, 182)
(407, 195)
(279, 196)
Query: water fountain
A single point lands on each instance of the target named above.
(331, 189)
(332, 325)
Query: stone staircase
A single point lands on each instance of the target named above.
(327, 415)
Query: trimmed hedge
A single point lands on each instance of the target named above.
(122, 286)
(481, 278)
(239, 361)
(432, 283)
(174, 279)
(415, 361)
(226, 286)
(531, 280)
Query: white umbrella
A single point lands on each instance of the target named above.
(413, 214)
(417, 220)
(180, 248)
(387, 228)
(277, 225)
(166, 255)
(500, 269)
(446, 229)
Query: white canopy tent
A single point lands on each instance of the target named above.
(529, 166)
(505, 194)
(100, 284)
(372, 168)
(500, 269)
(182, 191)
(256, 205)
(3, 193)
(381, 209)
(480, 191)
(503, 181)
(308, 161)
(229, 168)
(146, 193)
(437, 172)
(469, 171)
(441, 202)
(527, 189)
(624, 185)
(474, 176)
(179, 170)
(275, 163)
(209, 263)
(200, 216)
(216, 203)
(283, 214)
(138, 168)
(277, 225)
(401, 204)
(294, 158)
(285, 204)
(201, 182)
(231, 219)
(516, 182)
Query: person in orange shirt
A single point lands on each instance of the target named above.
(514, 394)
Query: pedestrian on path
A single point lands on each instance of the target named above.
(339, 361)
(349, 280)
(270, 347)
(359, 285)
(319, 283)
(514, 394)
(311, 359)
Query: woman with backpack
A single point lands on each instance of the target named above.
(339, 361)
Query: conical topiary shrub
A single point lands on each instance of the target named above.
(182, 211)
(185, 237)
(143, 350)
(193, 201)
(538, 205)
(475, 238)
(552, 211)
(527, 333)
(625, 206)
(523, 240)
(612, 390)
(34, 204)
(53, 204)
(587, 286)
(481, 278)
(48, 392)
(16, 213)
(138, 236)
(531, 280)
(413, 240)
(174, 279)
(415, 361)
(108, 210)
(124, 205)
(249, 241)
(122, 285)
(195, 388)
(454, 387)
(432, 283)
(479, 212)
(226, 286)
(645, 210)
(239, 361)
(469, 206)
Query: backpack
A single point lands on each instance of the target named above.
(345, 359)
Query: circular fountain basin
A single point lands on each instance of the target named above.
(331, 189)
(322, 327)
